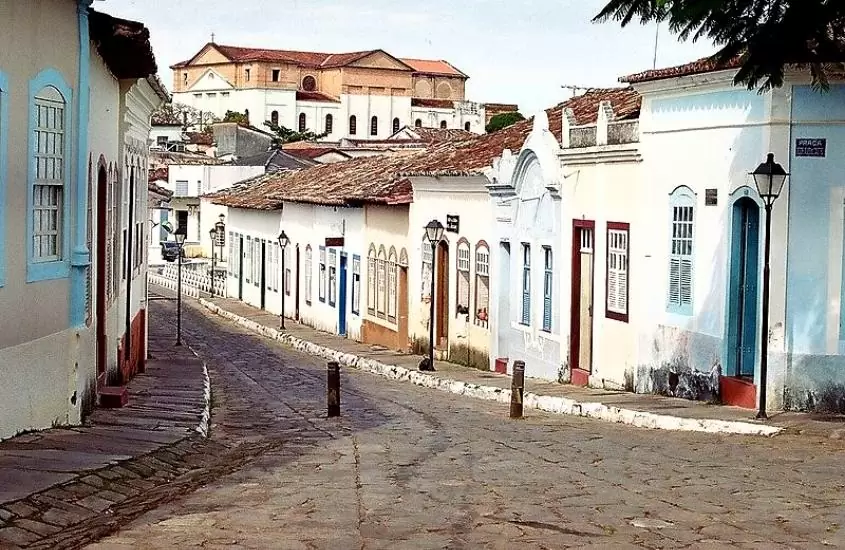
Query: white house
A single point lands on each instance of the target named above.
(74, 124)
(706, 239)
(462, 274)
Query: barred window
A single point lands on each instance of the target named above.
(48, 193)
(463, 278)
(482, 284)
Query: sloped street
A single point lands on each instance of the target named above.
(406, 467)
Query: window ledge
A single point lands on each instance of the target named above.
(47, 271)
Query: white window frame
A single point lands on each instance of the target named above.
(618, 246)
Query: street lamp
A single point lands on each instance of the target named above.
(433, 232)
(283, 242)
(769, 177)
(181, 233)
(213, 235)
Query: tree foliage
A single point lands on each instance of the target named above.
(185, 115)
(503, 120)
(766, 36)
(235, 116)
(282, 135)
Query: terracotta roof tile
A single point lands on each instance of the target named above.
(200, 138)
(431, 66)
(158, 174)
(312, 152)
(701, 66)
(302, 95)
(434, 103)
(384, 179)
(124, 45)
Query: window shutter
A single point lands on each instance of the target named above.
(622, 290)
(685, 277)
(526, 307)
(675, 280)
(612, 289)
(547, 313)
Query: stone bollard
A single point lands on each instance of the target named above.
(333, 388)
(517, 388)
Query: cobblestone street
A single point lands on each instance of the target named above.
(406, 467)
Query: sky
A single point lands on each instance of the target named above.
(520, 51)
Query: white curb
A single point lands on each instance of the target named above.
(547, 403)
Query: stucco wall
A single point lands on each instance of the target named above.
(724, 133)
(815, 330)
(469, 336)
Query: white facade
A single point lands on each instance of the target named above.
(161, 135)
(527, 257)
(313, 273)
(467, 284)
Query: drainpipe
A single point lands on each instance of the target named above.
(80, 259)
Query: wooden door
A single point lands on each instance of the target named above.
(442, 303)
(581, 325)
(102, 277)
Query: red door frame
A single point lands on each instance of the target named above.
(579, 376)
(102, 342)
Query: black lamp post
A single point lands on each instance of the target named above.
(769, 177)
(283, 243)
(213, 235)
(181, 233)
(434, 233)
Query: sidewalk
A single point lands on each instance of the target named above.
(646, 411)
(54, 479)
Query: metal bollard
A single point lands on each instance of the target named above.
(333, 388)
(517, 388)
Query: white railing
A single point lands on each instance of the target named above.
(195, 279)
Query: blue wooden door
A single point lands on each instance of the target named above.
(341, 298)
(240, 267)
(744, 273)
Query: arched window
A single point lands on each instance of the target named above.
(466, 126)
(329, 123)
(463, 267)
(47, 223)
(309, 83)
(274, 117)
(443, 124)
(381, 283)
(395, 125)
(374, 126)
(302, 125)
(392, 285)
(681, 249)
(418, 123)
(371, 280)
(353, 125)
(482, 283)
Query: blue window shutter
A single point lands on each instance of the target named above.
(681, 251)
(526, 284)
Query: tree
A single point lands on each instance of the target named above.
(765, 36)
(284, 135)
(187, 116)
(503, 120)
(234, 116)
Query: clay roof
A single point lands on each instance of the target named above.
(200, 138)
(302, 95)
(384, 178)
(240, 54)
(701, 66)
(436, 135)
(167, 158)
(124, 45)
(436, 103)
(430, 66)
(312, 152)
(158, 174)
(275, 160)
(351, 183)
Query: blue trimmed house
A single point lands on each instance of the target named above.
(76, 91)
(703, 244)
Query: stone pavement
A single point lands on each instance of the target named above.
(411, 468)
(648, 411)
(54, 479)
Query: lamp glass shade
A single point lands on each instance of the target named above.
(180, 235)
(283, 240)
(434, 231)
(769, 178)
(220, 226)
(213, 233)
